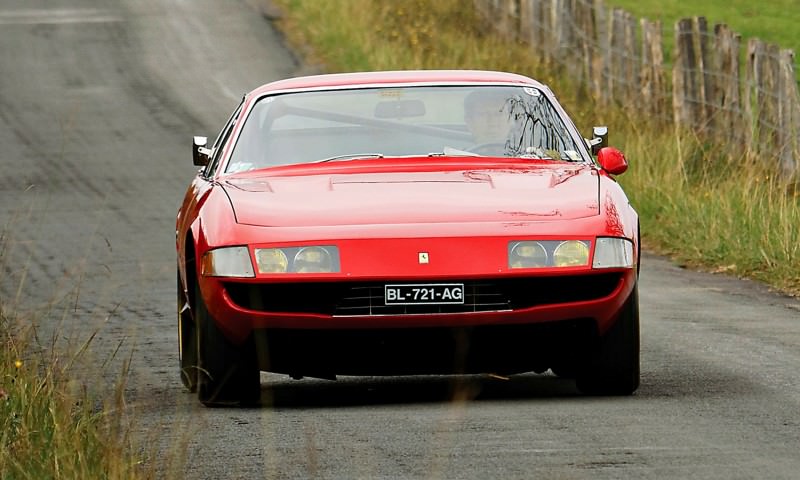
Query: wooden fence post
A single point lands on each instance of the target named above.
(653, 85)
(683, 88)
(556, 28)
(527, 23)
(788, 115)
(760, 107)
(602, 62)
(726, 121)
(545, 40)
(482, 7)
(623, 64)
(509, 13)
(631, 58)
(702, 74)
(754, 55)
(588, 16)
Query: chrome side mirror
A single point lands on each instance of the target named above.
(599, 139)
(200, 154)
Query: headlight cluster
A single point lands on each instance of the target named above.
(314, 259)
(235, 261)
(608, 253)
(548, 253)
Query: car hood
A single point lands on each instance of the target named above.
(534, 193)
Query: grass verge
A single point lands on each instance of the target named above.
(703, 208)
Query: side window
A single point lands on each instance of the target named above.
(221, 140)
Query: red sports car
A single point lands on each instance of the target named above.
(401, 223)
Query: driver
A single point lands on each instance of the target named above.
(487, 117)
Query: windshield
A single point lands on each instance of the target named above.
(402, 121)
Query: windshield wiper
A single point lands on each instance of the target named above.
(349, 156)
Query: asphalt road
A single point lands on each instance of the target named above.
(98, 102)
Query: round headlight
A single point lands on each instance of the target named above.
(271, 260)
(313, 260)
(572, 253)
(527, 255)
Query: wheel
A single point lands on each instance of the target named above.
(187, 341)
(613, 367)
(228, 374)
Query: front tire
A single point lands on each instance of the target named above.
(228, 374)
(187, 341)
(612, 368)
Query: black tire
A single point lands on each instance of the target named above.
(228, 374)
(612, 368)
(187, 341)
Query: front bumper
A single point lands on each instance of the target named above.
(240, 307)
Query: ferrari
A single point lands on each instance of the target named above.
(405, 223)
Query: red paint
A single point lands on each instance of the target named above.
(612, 161)
(381, 213)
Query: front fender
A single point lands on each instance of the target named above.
(619, 216)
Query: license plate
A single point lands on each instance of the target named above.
(425, 294)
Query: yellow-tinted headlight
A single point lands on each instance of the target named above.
(527, 255)
(271, 260)
(572, 253)
(313, 260)
(548, 253)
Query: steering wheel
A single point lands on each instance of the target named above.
(489, 148)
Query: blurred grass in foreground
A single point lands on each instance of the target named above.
(50, 425)
(704, 209)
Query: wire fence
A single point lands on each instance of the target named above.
(742, 96)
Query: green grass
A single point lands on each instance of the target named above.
(705, 209)
(774, 21)
(727, 219)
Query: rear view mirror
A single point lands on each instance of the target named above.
(400, 109)
(200, 154)
(612, 160)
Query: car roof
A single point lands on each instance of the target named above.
(395, 77)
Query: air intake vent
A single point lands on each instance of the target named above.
(367, 298)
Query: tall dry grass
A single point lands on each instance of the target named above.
(714, 211)
(51, 425)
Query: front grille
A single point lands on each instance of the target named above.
(367, 298)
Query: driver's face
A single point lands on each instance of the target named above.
(488, 122)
